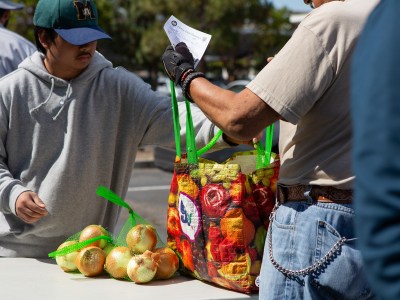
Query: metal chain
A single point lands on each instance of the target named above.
(308, 270)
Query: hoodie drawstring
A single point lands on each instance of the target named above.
(35, 109)
(61, 102)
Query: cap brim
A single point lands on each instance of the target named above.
(82, 35)
(11, 5)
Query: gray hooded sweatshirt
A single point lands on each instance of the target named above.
(63, 139)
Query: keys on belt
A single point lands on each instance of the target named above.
(313, 193)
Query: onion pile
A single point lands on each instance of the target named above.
(140, 261)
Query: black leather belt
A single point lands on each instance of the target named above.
(313, 193)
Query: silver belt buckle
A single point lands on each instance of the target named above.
(307, 195)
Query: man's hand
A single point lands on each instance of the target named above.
(177, 62)
(234, 142)
(30, 208)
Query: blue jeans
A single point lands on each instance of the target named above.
(303, 234)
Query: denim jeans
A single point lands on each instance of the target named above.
(303, 234)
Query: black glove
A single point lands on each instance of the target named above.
(177, 62)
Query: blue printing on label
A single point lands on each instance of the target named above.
(189, 216)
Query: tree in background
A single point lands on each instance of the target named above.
(244, 32)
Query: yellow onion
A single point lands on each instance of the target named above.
(92, 231)
(167, 262)
(117, 262)
(140, 238)
(90, 261)
(67, 262)
(142, 268)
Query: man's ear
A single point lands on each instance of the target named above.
(44, 39)
(4, 18)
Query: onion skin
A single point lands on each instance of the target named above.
(117, 262)
(90, 261)
(140, 238)
(142, 268)
(92, 231)
(167, 262)
(67, 262)
(107, 249)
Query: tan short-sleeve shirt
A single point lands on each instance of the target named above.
(308, 84)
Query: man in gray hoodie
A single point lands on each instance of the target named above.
(69, 122)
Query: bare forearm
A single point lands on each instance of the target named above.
(240, 115)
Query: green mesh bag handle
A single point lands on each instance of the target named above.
(114, 198)
(79, 245)
(132, 220)
(263, 154)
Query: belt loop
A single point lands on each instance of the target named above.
(277, 193)
(310, 200)
(281, 194)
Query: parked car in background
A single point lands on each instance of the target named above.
(163, 86)
(237, 85)
(164, 158)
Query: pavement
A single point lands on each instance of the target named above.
(145, 158)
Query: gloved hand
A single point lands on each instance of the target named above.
(177, 62)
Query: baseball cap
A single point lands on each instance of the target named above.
(76, 21)
(10, 5)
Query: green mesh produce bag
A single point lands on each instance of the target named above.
(108, 240)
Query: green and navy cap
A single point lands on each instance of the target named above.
(76, 21)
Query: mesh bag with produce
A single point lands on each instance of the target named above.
(136, 253)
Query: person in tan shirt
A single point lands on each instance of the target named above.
(310, 252)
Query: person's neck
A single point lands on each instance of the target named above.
(60, 72)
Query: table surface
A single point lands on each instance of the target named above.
(33, 279)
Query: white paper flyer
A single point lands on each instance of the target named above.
(197, 41)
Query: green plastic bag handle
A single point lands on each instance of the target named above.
(263, 154)
(132, 219)
(175, 113)
(191, 150)
(79, 245)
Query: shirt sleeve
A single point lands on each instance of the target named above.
(10, 188)
(297, 76)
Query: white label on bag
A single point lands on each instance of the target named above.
(189, 216)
